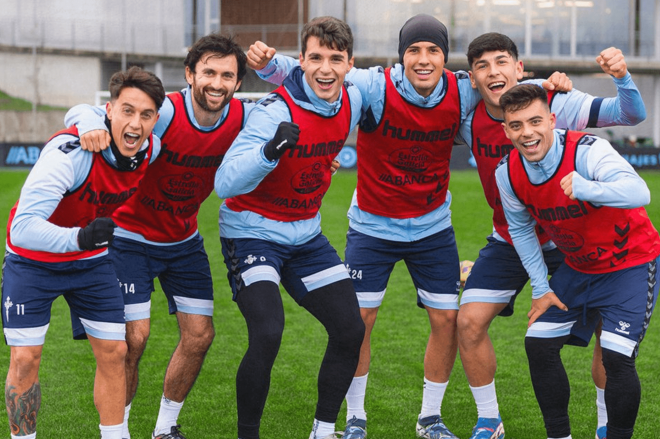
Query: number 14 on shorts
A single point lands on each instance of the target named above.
(127, 288)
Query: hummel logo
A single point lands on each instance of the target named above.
(624, 326)
(250, 259)
(621, 231)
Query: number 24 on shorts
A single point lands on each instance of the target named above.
(354, 274)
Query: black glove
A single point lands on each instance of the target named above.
(286, 137)
(99, 233)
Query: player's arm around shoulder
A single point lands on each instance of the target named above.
(245, 165)
(470, 96)
(155, 150)
(603, 177)
(90, 122)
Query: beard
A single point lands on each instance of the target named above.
(200, 97)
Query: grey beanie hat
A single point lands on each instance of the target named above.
(423, 27)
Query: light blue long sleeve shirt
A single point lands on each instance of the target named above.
(54, 174)
(371, 83)
(604, 179)
(245, 165)
(576, 110)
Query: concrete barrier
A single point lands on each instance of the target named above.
(27, 127)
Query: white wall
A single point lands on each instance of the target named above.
(151, 27)
(60, 80)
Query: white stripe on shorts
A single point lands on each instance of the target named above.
(371, 300)
(259, 273)
(615, 342)
(188, 305)
(325, 277)
(105, 330)
(137, 311)
(549, 329)
(481, 295)
(438, 301)
(26, 336)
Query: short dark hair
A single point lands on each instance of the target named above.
(138, 78)
(491, 42)
(331, 32)
(217, 45)
(521, 96)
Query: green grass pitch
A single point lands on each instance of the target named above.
(394, 391)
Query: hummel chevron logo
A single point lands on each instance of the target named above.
(620, 244)
(621, 255)
(621, 231)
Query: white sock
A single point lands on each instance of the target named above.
(111, 431)
(125, 434)
(322, 429)
(486, 400)
(355, 398)
(567, 437)
(432, 399)
(602, 409)
(167, 415)
(29, 436)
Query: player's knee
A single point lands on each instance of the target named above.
(110, 353)
(267, 335)
(350, 334)
(542, 350)
(25, 362)
(198, 340)
(470, 324)
(137, 335)
(369, 316)
(443, 319)
(617, 364)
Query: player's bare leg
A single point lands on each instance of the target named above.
(110, 379)
(474, 343)
(196, 335)
(356, 415)
(438, 364)
(137, 335)
(369, 318)
(480, 363)
(442, 345)
(22, 389)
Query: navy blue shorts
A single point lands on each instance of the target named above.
(183, 271)
(498, 275)
(432, 263)
(300, 268)
(89, 286)
(624, 299)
